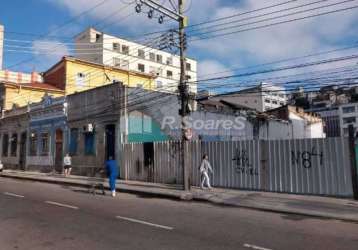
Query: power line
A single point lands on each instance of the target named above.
(273, 24)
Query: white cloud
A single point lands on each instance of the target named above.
(208, 68)
(50, 51)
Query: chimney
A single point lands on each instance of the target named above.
(34, 77)
(6, 75)
(19, 77)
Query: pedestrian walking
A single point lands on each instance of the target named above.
(67, 163)
(204, 169)
(112, 172)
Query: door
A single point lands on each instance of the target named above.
(148, 148)
(110, 141)
(22, 160)
(58, 151)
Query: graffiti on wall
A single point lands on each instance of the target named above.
(243, 164)
(305, 158)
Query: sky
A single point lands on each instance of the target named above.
(49, 25)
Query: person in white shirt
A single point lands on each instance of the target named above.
(1, 166)
(204, 169)
(67, 164)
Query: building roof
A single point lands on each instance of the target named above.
(35, 85)
(98, 65)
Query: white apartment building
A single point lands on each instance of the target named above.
(98, 47)
(348, 114)
(1, 45)
(263, 97)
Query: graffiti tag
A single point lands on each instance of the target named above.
(243, 164)
(306, 157)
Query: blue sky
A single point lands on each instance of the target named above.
(231, 54)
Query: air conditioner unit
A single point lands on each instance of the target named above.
(88, 128)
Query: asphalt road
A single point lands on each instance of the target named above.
(36, 216)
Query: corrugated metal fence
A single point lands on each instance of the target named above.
(302, 166)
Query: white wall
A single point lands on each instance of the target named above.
(103, 53)
(275, 130)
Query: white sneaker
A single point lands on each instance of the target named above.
(113, 193)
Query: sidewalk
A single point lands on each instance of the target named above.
(316, 206)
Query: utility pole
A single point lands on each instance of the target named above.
(183, 86)
(184, 95)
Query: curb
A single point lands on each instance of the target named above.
(277, 210)
(186, 196)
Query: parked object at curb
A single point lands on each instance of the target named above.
(204, 169)
(112, 172)
(67, 164)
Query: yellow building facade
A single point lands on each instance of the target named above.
(20, 95)
(75, 75)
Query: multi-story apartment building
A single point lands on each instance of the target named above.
(1, 45)
(348, 114)
(98, 47)
(263, 97)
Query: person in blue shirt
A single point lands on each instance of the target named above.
(112, 172)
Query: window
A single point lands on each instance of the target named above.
(13, 145)
(281, 95)
(281, 103)
(116, 62)
(349, 109)
(44, 143)
(141, 67)
(5, 144)
(349, 120)
(124, 64)
(147, 124)
(73, 141)
(141, 53)
(98, 37)
(267, 101)
(170, 74)
(125, 49)
(159, 58)
(33, 144)
(188, 77)
(116, 47)
(159, 84)
(80, 79)
(188, 66)
(152, 57)
(152, 70)
(89, 144)
(274, 102)
(170, 61)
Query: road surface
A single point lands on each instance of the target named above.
(36, 216)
